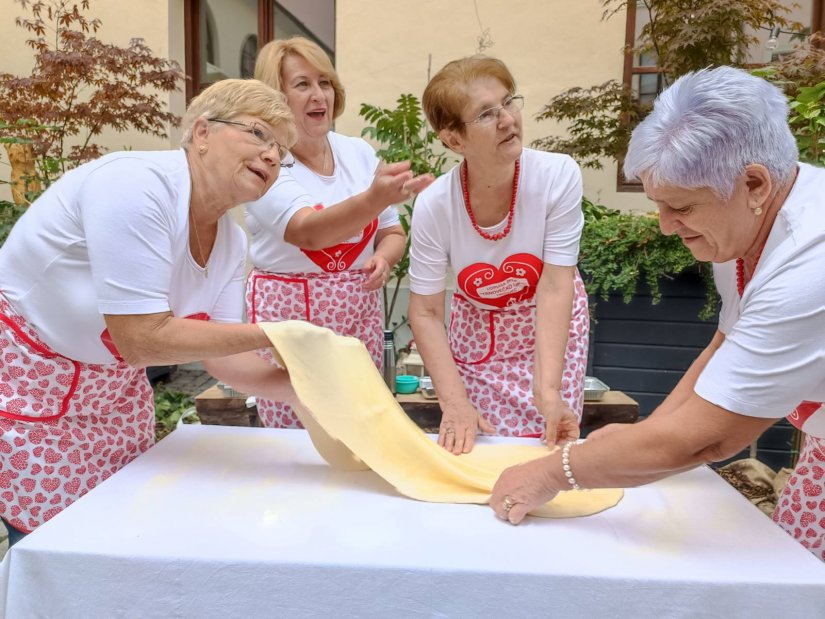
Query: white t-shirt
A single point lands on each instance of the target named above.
(773, 356)
(299, 187)
(546, 228)
(112, 237)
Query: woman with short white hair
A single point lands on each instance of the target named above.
(718, 159)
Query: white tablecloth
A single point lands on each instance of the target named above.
(244, 522)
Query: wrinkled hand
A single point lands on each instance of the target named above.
(459, 426)
(395, 182)
(522, 488)
(561, 424)
(378, 270)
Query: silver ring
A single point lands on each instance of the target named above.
(449, 431)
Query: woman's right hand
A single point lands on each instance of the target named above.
(395, 182)
(459, 426)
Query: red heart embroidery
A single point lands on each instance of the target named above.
(514, 281)
(342, 256)
(806, 519)
(810, 488)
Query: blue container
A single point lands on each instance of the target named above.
(405, 383)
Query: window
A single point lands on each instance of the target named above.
(646, 80)
(223, 36)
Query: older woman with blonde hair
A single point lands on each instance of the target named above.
(129, 261)
(507, 221)
(333, 209)
(718, 159)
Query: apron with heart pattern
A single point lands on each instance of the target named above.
(334, 300)
(494, 351)
(65, 426)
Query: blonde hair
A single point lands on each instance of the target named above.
(445, 97)
(271, 58)
(232, 97)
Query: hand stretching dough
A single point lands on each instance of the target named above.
(355, 423)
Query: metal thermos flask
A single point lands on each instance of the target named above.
(389, 361)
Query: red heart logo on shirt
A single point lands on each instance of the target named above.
(514, 281)
(342, 256)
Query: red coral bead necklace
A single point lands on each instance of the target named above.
(740, 272)
(465, 188)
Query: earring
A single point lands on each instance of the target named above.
(202, 149)
(757, 211)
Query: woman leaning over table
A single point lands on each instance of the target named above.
(507, 220)
(129, 261)
(334, 210)
(718, 159)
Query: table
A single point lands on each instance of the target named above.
(217, 406)
(249, 522)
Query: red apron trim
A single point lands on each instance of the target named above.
(258, 275)
(803, 412)
(342, 256)
(50, 354)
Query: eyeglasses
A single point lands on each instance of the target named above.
(492, 114)
(262, 136)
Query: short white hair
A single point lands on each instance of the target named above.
(707, 127)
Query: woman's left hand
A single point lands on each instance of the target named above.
(379, 272)
(561, 425)
(522, 488)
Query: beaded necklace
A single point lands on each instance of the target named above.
(465, 188)
(740, 271)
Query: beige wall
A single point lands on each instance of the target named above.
(158, 22)
(384, 49)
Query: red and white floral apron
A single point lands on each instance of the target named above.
(494, 351)
(334, 300)
(800, 509)
(65, 426)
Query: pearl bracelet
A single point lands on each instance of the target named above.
(565, 465)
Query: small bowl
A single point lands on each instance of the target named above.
(406, 383)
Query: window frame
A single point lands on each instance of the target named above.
(630, 70)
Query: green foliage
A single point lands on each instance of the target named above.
(808, 123)
(618, 248)
(169, 407)
(687, 35)
(9, 214)
(601, 119)
(404, 135)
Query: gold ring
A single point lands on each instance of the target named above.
(449, 431)
(508, 504)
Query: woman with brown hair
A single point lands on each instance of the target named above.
(507, 220)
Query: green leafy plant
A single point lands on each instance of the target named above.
(618, 248)
(808, 123)
(600, 119)
(404, 134)
(169, 407)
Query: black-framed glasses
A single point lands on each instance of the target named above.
(263, 136)
(492, 114)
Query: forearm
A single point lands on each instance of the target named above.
(311, 229)
(657, 447)
(431, 340)
(162, 339)
(249, 373)
(553, 312)
(390, 245)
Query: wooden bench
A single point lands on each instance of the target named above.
(215, 406)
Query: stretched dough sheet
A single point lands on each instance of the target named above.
(355, 423)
